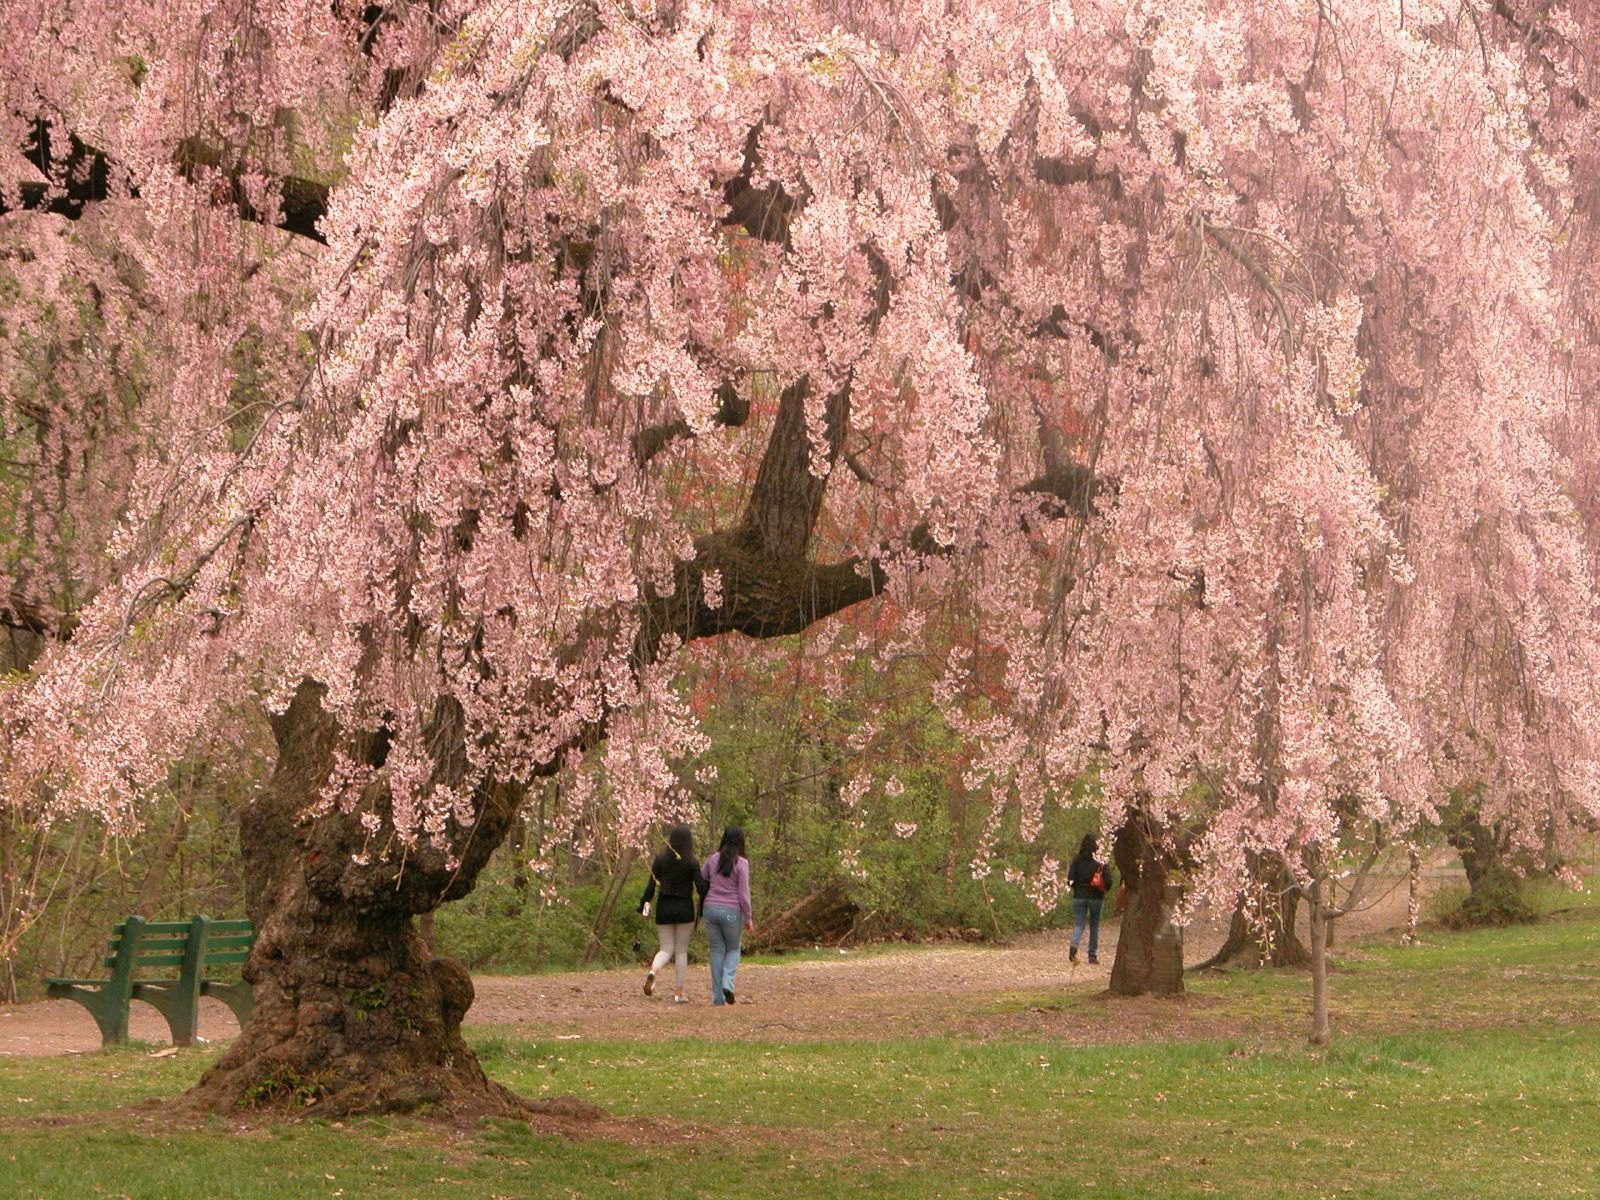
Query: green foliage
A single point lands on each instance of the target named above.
(1500, 897)
(368, 1000)
(504, 928)
(301, 1091)
(781, 754)
(784, 755)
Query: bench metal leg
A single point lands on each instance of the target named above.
(238, 996)
(172, 1001)
(109, 1010)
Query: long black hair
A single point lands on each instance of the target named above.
(681, 839)
(1087, 847)
(731, 850)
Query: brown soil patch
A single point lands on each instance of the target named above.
(973, 992)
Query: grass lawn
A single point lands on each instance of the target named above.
(1463, 1068)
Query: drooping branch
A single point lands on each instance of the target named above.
(177, 584)
(1263, 280)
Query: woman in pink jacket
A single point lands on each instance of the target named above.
(726, 910)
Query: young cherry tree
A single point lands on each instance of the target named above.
(1154, 332)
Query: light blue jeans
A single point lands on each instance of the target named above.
(1087, 909)
(724, 928)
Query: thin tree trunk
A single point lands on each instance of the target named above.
(153, 887)
(1413, 894)
(602, 919)
(517, 847)
(1320, 1032)
(12, 915)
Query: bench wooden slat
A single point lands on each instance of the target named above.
(143, 951)
(154, 959)
(155, 939)
(151, 943)
(180, 928)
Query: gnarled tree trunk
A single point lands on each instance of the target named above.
(353, 1012)
(1497, 891)
(1484, 849)
(1269, 938)
(1149, 944)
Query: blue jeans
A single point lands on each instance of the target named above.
(1087, 909)
(724, 928)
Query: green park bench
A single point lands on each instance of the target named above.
(165, 964)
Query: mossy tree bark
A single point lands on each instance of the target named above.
(353, 1012)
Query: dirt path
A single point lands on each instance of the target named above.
(969, 990)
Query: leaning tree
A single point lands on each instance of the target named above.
(509, 349)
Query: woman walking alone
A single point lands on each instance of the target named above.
(676, 876)
(727, 910)
(1090, 880)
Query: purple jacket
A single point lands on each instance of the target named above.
(730, 891)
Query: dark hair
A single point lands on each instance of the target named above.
(1089, 845)
(681, 840)
(731, 850)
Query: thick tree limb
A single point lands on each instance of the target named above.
(18, 612)
(86, 175)
(733, 412)
(764, 595)
(786, 498)
(301, 202)
(765, 212)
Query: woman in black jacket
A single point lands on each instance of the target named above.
(1090, 880)
(676, 875)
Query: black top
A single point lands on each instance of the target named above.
(1081, 872)
(681, 887)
